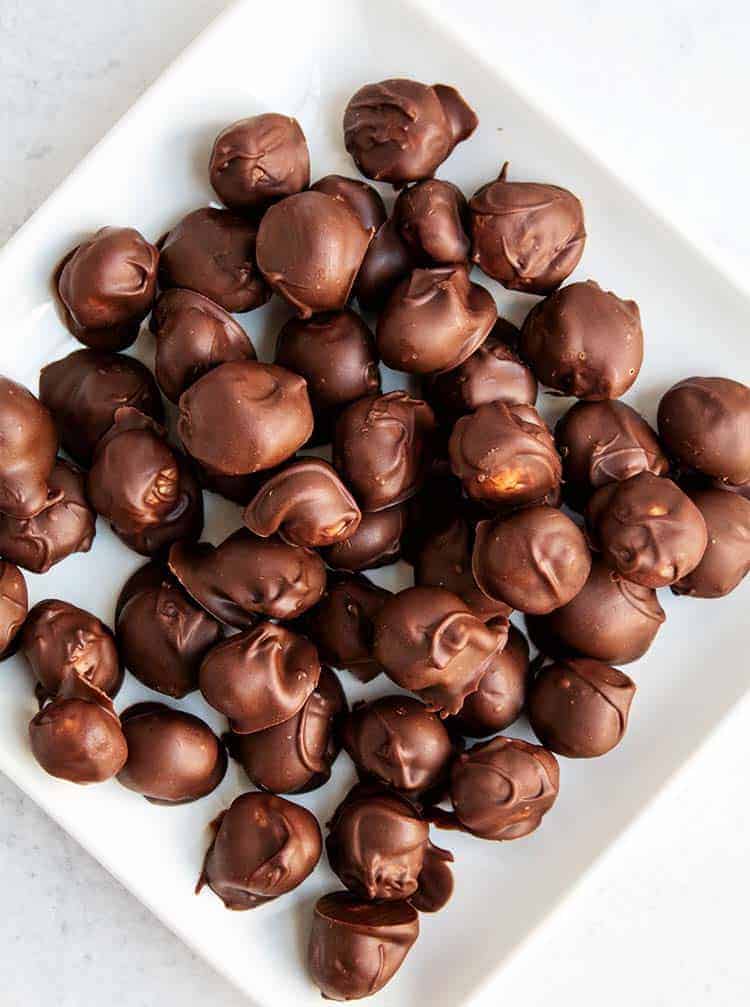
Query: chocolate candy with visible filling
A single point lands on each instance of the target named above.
(264, 847)
(375, 543)
(363, 199)
(386, 261)
(501, 695)
(726, 561)
(14, 604)
(433, 220)
(29, 441)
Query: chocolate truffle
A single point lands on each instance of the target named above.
(431, 510)
(433, 220)
(610, 619)
(704, 423)
(363, 199)
(429, 642)
(296, 756)
(501, 789)
(535, 560)
(526, 235)
(238, 489)
(579, 707)
(386, 262)
(264, 847)
(173, 757)
(263, 411)
(77, 736)
(306, 503)
(246, 576)
(726, 560)
(382, 447)
(501, 695)
(396, 740)
(310, 248)
(584, 341)
(14, 604)
(213, 252)
(259, 678)
(356, 947)
(66, 525)
(162, 635)
(256, 161)
(505, 455)
(604, 442)
(193, 335)
(401, 131)
(29, 441)
(434, 320)
(647, 529)
(107, 286)
(84, 390)
(375, 543)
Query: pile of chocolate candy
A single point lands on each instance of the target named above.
(465, 482)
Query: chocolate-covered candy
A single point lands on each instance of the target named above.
(238, 489)
(386, 262)
(604, 442)
(246, 576)
(363, 199)
(14, 604)
(501, 695)
(193, 335)
(84, 390)
(66, 525)
(430, 643)
(505, 455)
(526, 235)
(263, 410)
(501, 789)
(382, 447)
(434, 320)
(213, 252)
(535, 560)
(579, 707)
(726, 561)
(306, 503)
(264, 847)
(310, 248)
(704, 423)
(173, 757)
(401, 131)
(296, 756)
(375, 543)
(431, 510)
(357, 946)
(433, 220)
(258, 160)
(259, 678)
(584, 341)
(610, 619)
(107, 286)
(29, 449)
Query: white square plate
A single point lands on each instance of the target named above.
(147, 172)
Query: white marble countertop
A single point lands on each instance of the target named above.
(663, 88)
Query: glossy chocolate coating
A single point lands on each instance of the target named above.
(396, 740)
(213, 252)
(375, 543)
(434, 320)
(193, 335)
(534, 560)
(265, 846)
(431, 510)
(306, 503)
(84, 390)
(647, 529)
(726, 561)
(259, 678)
(584, 341)
(526, 235)
(363, 199)
(610, 620)
(66, 525)
(505, 455)
(162, 635)
(401, 131)
(14, 604)
(310, 248)
(29, 449)
(386, 262)
(238, 489)
(429, 642)
(704, 423)
(501, 695)
(258, 160)
(502, 788)
(604, 442)
(579, 707)
(382, 448)
(433, 220)
(107, 286)
(245, 577)
(173, 757)
(296, 756)
(263, 410)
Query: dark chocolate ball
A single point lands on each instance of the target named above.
(375, 543)
(433, 220)
(29, 450)
(14, 604)
(501, 695)
(363, 199)
(386, 262)
(432, 510)
(726, 561)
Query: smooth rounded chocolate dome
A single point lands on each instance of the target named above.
(726, 561)
(386, 262)
(375, 543)
(501, 695)
(29, 442)
(363, 199)
(433, 220)
(14, 605)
